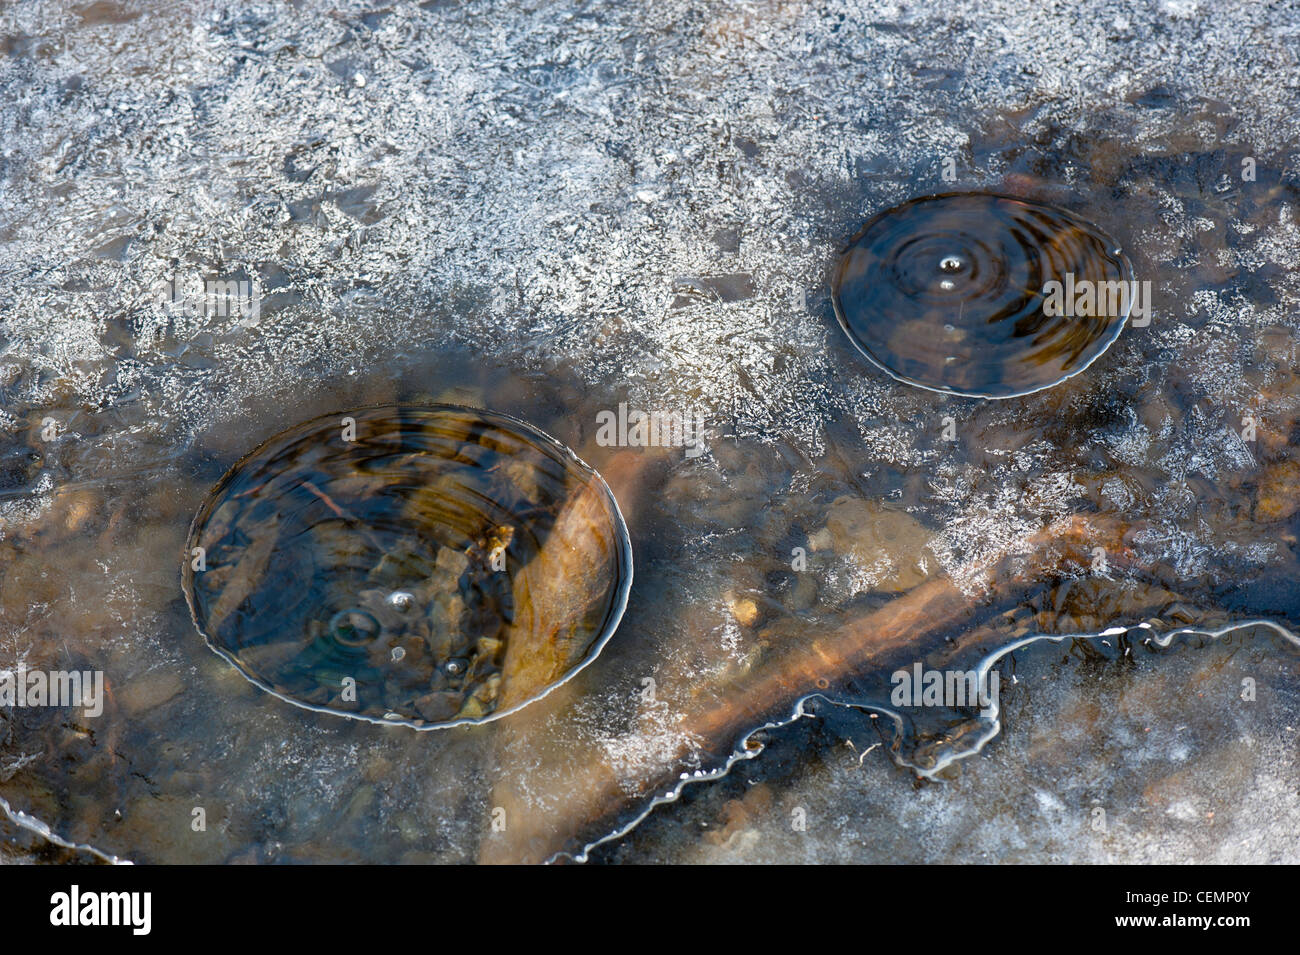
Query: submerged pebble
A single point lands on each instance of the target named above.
(396, 564)
(947, 292)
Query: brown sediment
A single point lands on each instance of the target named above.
(1151, 604)
(1277, 481)
(1278, 496)
(595, 790)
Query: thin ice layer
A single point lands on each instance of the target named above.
(554, 210)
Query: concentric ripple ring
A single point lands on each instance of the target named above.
(947, 292)
(423, 565)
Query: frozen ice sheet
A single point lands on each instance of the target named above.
(553, 208)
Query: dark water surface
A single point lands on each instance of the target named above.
(947, 292)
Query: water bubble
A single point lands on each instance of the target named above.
(401, 600)
(354, 628)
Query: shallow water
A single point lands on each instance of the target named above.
(552, 210)
(429, 565)
(955, 293)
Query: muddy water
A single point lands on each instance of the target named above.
(522, 220)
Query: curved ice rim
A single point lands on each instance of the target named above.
(992, 723)
(1108, 340)
(613, 618)
(32, 824)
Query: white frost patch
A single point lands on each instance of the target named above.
(1048, 802)
(658, 741)
(997, 524)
